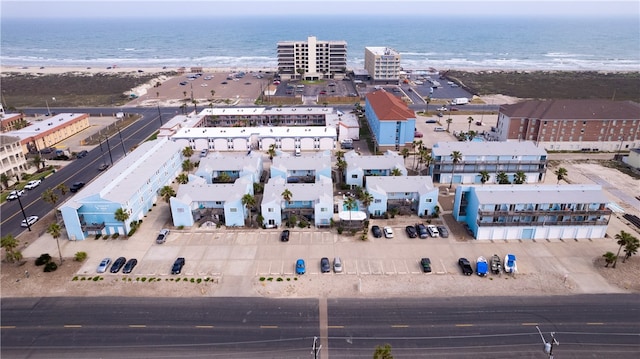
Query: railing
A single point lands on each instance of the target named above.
(92, 227)
(542, 224)
(548, 212)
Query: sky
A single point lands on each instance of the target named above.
(213, 8)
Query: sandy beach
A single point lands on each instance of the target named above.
(118, 70)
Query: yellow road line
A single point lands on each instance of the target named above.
(73, 326)
(399, 326)
(268, 327)
(464, 325)
(204, 326)
(7, 326)
(528, 323)
(335, 326)
(137, 326)
(595, 323)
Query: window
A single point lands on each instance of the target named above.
(270, 210)
(428, 200)
(323, 209)
(233, 210)
(377, 201)
(354, 176)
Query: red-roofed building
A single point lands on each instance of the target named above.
(392, 123)
(572, 125)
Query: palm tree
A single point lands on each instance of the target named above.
(4, 179)
(470, 120)
(286, 195)
(213, 93)
(622, 239)
(484, 177)
(187, 165)
(502, 178)
(62, 188)
(395, 172)
(520, 177)
(350, 203)
(249, 202)
(301, 72)
(609, 257)
(456, 157)
(121, 216)
(187, 152)
(271, 151)
(10, 245)
(426, 159)
(49, 196)
(383, 352)
(405, 153)
(223, 177)
(449, 120)
(339, 155)
(166, 193)
(341, 165)
(366, 198)
(183, 178)
(36, 161)
(561, 174)
(55, 231)
(631, 248)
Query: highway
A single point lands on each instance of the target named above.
(594, 326)
(84, 169)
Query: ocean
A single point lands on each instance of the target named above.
(441, 42)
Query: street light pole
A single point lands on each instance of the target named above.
(159, 115)
(24, 214)
(122, 143)
(109, 148)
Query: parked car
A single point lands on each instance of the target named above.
(443, 108)
(411, 231)
(510, 265)
(284, 236)
(482, 266)
(443, 231)
(128, 267)
(377, 232)
(76, 186)
(425, 263)
(177, 265)
(300, 266)
(29, 221)
(104, 264)
(431, 120)
(32, 184)
(103, 167)
(418, 134)
(325, 266)
(496, 265)
(439, 114)
(337, 265)
(465, 265)
(82, 154)
(433, 230)
(13, 195)
(388, 232)
(162, 236)
(204, 152)
(422, 230)
(117, 264)
(183, 83)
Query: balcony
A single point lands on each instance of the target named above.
(93, 227)
(548, 212)
(602, 222)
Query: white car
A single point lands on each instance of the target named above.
(15, 194)
(29, 221)
(32, 184)
(433, 230)
(442, 108)
(104, 265)
(388, 232)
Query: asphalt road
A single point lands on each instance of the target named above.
(84, 169)
(594, 326)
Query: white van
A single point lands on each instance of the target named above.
(297, 152)
(439, 129)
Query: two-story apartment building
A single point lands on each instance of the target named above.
(49, 131)
(360, 167)
(132, 184)
(382, 64)
(213, 202)
(234, 165)
(302, 169)
(572, 125)
(311, 200)
(494, 157)
(312, 59)
(391, 121)
(415, 193)
(532, 212)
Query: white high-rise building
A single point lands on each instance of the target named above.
(312, 59)
(382, 63)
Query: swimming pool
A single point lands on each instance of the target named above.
(354, 208)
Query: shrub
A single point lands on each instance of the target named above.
(144, 279)
(83, 278)
(279, 279)
(262, 279)
(43, 259)
(115, 235)
(180, 227)
(270, 279)
(96, 278)
(50, 267)
(80, 256)
(199, 280)
(75, 278)
(98, 236)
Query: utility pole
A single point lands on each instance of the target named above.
(23, 214)
(315, 349)
(109, 148)
(122, 143)
(159, 115)
(548, 346)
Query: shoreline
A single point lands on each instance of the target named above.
(54, 70)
